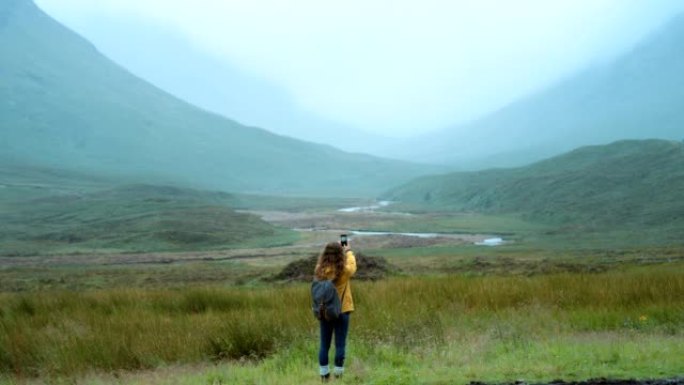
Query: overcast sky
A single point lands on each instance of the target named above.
(398, 67)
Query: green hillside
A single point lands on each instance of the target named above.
(64, 105)
(627, 184)
(46, 211)
(638, 95)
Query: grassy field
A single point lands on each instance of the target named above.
(56, 212)
(131, 218)
(423, 329)
(470, 223)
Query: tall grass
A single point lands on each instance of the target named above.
(69, 333)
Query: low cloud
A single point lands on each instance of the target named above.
(399, 67)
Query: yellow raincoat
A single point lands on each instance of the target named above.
(343, 284)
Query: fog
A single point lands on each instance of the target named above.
(390, 68)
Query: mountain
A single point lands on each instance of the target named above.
(65, 105)
(171, 62)
(637, 96)
(636, 184)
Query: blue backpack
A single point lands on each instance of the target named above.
(325, 302)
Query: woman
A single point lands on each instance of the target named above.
(336, 263)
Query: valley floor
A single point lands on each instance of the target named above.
(455, 312)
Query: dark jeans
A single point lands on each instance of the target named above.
(339, 327)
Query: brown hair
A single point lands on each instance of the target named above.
(332, 256)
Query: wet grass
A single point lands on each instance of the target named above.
(402, 323)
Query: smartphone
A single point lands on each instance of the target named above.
(343, 240)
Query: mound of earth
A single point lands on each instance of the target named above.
(600, 381)
(368, 268)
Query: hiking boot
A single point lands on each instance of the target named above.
(325, 378)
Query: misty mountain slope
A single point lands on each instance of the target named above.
(168, 60)
(624, 184)
(64, 104)
(639, 95)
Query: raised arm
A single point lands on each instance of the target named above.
(350, 263)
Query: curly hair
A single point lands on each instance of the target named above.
(333, 256)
